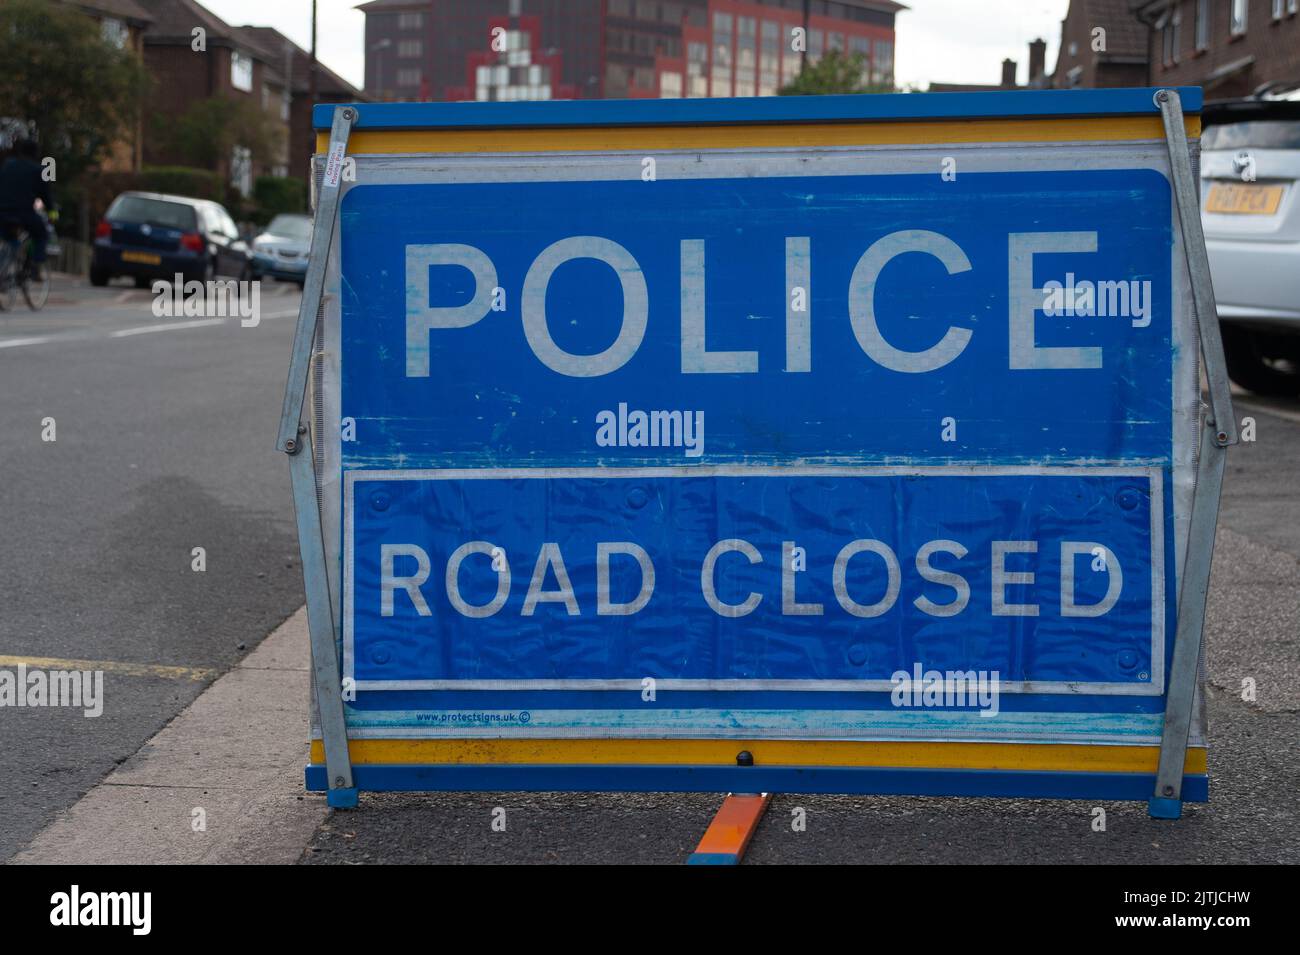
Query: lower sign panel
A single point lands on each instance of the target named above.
(569, 586)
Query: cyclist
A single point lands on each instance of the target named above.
(21, 184)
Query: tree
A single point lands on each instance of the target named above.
(78, 93)
(207, 132)
(833, 73)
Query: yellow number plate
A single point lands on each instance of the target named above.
(144, 258)
(1245, 198)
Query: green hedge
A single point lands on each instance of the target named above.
(273, 195)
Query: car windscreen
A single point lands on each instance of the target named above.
(1258, 134)
(292, 227)
(157, 212)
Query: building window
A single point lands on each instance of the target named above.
(620, 8)
(408, 78)
(241, 71)
(1172, 37)
(1278, 7)
(410, 21)
(1073, 49)
(410, 48)
(835, 42)
(816, 41)
(1292, 6)
(670, 85)
(114, 32)
(1202, 24)
(860, 46)
(1237, 17)
(1074, 75)
(769, 62)
(671, 13)
(745, 56)
(722, 45)
(647, 10)
(241, 169)
(697, 64)
(882, 66)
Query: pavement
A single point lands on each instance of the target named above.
(207, 714)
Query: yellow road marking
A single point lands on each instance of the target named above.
(195, 674)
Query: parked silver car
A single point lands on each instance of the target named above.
(281, 250)
(1250, 208)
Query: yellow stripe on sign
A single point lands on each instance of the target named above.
(195, 674)
(805, 135)
(711, 752)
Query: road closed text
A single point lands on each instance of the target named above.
(406, 570)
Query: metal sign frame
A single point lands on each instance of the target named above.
(1217, 432)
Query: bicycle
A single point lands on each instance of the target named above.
(17, 272)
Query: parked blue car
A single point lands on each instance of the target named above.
(148, 235)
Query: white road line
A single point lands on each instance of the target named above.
(20, 342)
(169, 326)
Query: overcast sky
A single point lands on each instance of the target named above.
(948, 41)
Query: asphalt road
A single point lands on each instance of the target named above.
(164, 443)
(1253, 817)
(165, 434)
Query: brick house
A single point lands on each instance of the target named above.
(121, 23)
(1229, 47)
(1103, 44)
(233, 65)
(329, 88)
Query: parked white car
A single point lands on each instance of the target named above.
(1250, 209)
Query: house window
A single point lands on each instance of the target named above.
(408, 78)
(410, 21)
(722, 46)
(1237, 17)
(241, 71)
(1278, 6)
(620, 8)
(670, 85)
(114, 32)
(1172, 36)
(241, 169)
(410, 48)
(1292, 6)
(1202, 24)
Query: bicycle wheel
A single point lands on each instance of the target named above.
(8, 282)
(37, 291)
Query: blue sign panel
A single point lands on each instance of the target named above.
(843, 319)
(755, 578)
(765, 441)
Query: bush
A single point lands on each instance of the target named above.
(276, 194)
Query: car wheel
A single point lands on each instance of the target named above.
(99, 278)
(1265, 364)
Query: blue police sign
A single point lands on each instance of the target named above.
(884, 441)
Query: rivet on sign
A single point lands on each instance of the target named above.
(1169, 790)
(744, 758)
(290, 445)
(338, 782)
